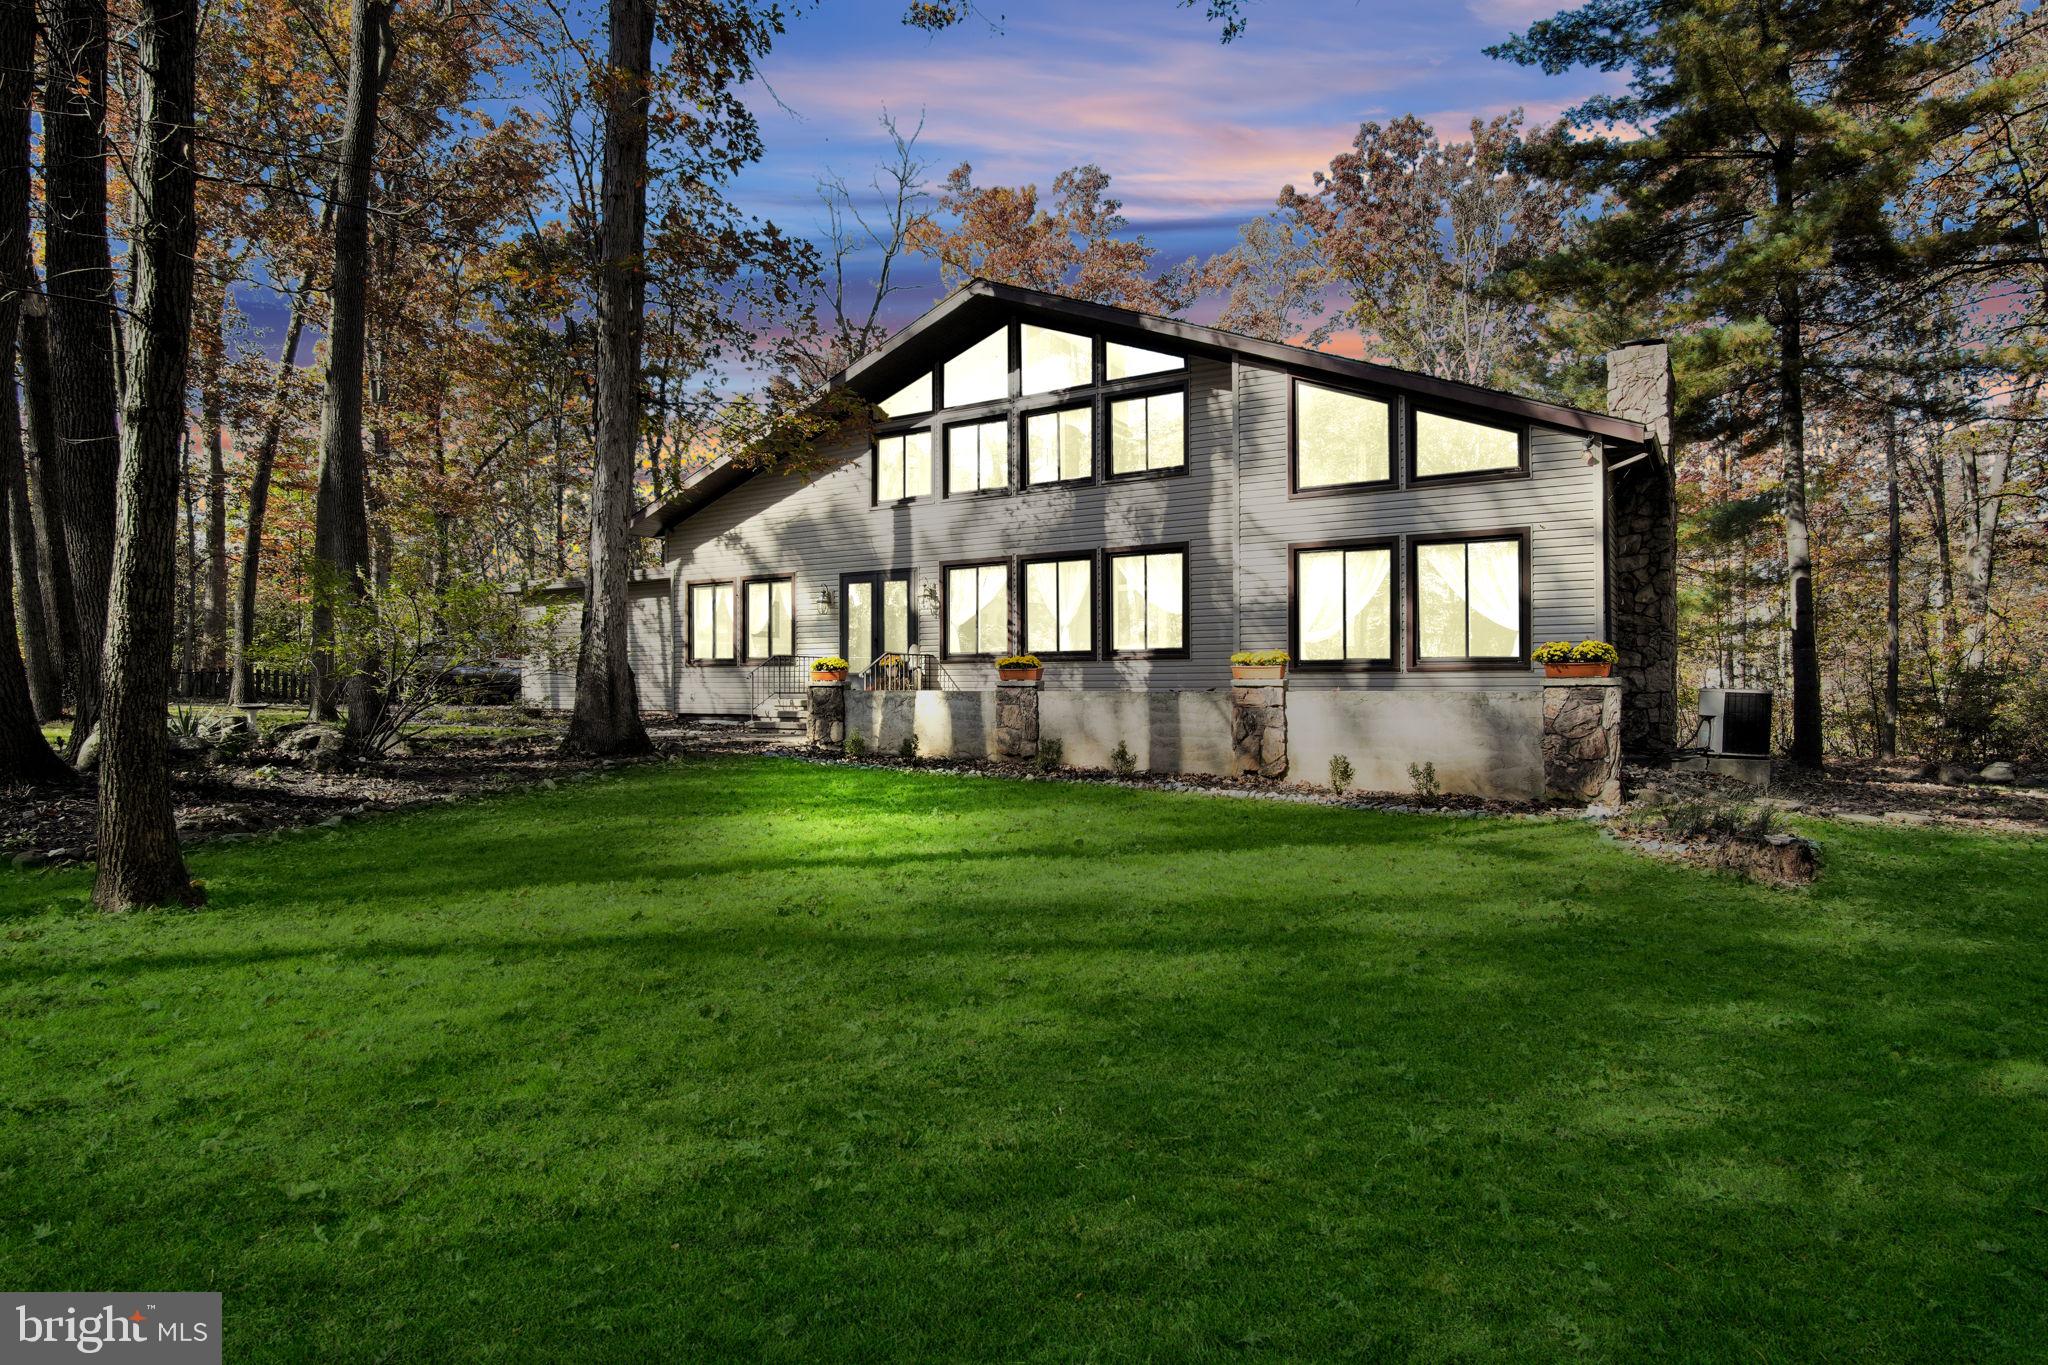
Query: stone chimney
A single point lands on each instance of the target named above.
(1642, 590)
(1640, 387)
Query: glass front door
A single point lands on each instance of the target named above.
(875, 618)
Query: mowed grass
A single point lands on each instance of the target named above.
(741, 1057)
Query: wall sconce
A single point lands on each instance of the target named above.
(828, 601)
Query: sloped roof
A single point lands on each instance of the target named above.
(965, 316)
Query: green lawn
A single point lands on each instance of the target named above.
(740, 1057)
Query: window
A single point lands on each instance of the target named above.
(910, 400)
(1340, 439)
(771, 618)
(1128, 362)
(711, 623)
(1059, 447)
(903, 466)
(1344, 605)
(1148, 433)
(1448, 447)
(977, 609)
(1059, 606)
(1148, 601)
(981, 373)
(1469, 601)
(978, 456)
(1055, 360)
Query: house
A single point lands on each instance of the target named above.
(1132, 498)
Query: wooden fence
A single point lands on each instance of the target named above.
(273, 685)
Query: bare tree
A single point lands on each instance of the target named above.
(139, 860)
(53, 562)
(855, 293)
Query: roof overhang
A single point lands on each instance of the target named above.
(967, 314)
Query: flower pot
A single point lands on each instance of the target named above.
(1258, 672)
(828, 675)
(1020, 674)
(1569, 670)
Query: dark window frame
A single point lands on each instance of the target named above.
(1465, 664)
(946, 455)
(875, 467)
(1295, 487)
(1108, 595)
(1141, 391)
(1061, 397)
(745, 616)
(1477, 417)
(1023, 612)
(922, 414)
(1011, 349)
(1024, 416)
(879, 577)
(1009, 568)
(690, 624)
(1390, 664)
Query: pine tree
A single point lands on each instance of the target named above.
(1750, 169)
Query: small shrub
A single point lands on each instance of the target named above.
(1123, 760)
(1595, 652)
(1340, 772)
(1423, 777)
(856, 745)
(830, 661)
(1709, 818)
(1259, 658)
(1552, 652)
(908, 748)
(1051, 753)
(1019, 661)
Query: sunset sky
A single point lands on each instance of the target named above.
(1196, 136)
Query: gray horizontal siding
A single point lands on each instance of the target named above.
(1559, 503)
(1232, 509)
(820, 528)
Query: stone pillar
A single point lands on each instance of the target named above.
(1582, 740)
(1016, 722)
(1258, 729)
(825, 728)
(1642, 589)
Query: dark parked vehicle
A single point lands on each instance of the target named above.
(484, 684)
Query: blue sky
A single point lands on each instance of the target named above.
(1196, 136)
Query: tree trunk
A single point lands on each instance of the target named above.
(1805, 643)
(81, 293)
(25, 756)
(216, 532)
(1888, 727)
(341, 533)
(139, 860)
(606, 719)
(1980, 552)
(53, 561)
(40, 655)
(259, 494)
(188, 606)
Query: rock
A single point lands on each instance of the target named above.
(314, 741)
(333, 822)
(30, 859)
(66, 855)
(89, 753)
(1999, 774)
(1954, 774)
(230, 727)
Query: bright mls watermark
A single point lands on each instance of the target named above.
(173, 1328)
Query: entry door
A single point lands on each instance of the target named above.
(874, 617)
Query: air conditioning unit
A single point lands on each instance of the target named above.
(1736, 721)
